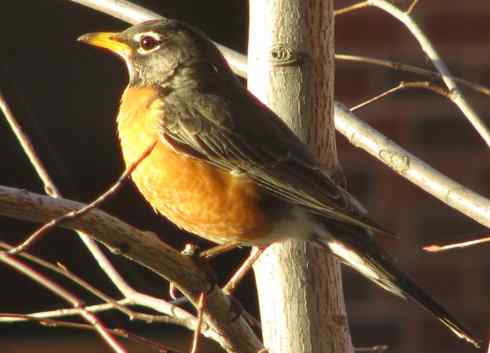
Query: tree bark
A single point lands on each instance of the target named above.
(291, 70)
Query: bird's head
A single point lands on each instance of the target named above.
(160, 52)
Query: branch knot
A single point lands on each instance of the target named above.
(282, 55)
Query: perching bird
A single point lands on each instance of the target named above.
(225, 167)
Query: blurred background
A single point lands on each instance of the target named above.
(65, 96)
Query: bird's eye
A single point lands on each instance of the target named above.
(148, 42)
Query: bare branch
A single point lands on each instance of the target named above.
(412, 69)
(65, 295)
(148, 318)
(28, 148)
(243, 270)
(429, 50)
(411, 7)
(175, 314)
(11, 317)
(197, 332)
(146, 249)
(418, 172)
(405, 85)
(218, 250)
(78, 213)
(439, 64)
(94, 249)
(140, 339)
(7, 318)
(357, 6)
(459, 245)
(121, 9)
(74, 278)
(373, 349)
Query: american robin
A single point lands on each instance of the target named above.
(225, 167)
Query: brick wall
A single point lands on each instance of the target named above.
(432, 128)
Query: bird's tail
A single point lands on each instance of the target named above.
(357, 249)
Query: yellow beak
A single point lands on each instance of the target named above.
(107, 40)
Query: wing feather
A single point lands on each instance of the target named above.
(235, 131)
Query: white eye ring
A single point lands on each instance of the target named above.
(147, 42)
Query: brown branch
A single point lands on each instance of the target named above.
(51, 189)
(459, 245)
(66, 324)
(197, 332)
(62, 270)
(28, 148)
(144, 248)
(102, 260)
(429, 50)
(63, 312)
(405, 85)
(112, 304)
(140, 339)
(411, 69)
(425, 44)
(351, 8)
(66, 295)
(243, 270)
(178, 316)
(374, 349)
(43, 230)
(218, 250)
(148, 318)
(411, 7)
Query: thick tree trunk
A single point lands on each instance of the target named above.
(291, 70)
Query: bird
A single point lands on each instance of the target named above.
(226, 168)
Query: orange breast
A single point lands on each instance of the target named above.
(194, 195)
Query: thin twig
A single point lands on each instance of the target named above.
(65, 295)
(62, 312)
(243, 270)
(62, 270)
(140, 339)
(412, 69)
(351, 8)
(40, 232)
(429, 50)
(218, 250)
(374, 349)
(404, 85)
(411, 7)
(87, 286)
(232, 283)
(12, 317)
(148, 250)
(148, 318)
(439, 64)
(182, 317)
(52, 190)
(110, 303)
(459, 245)
(27, 147)
(200, 314)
